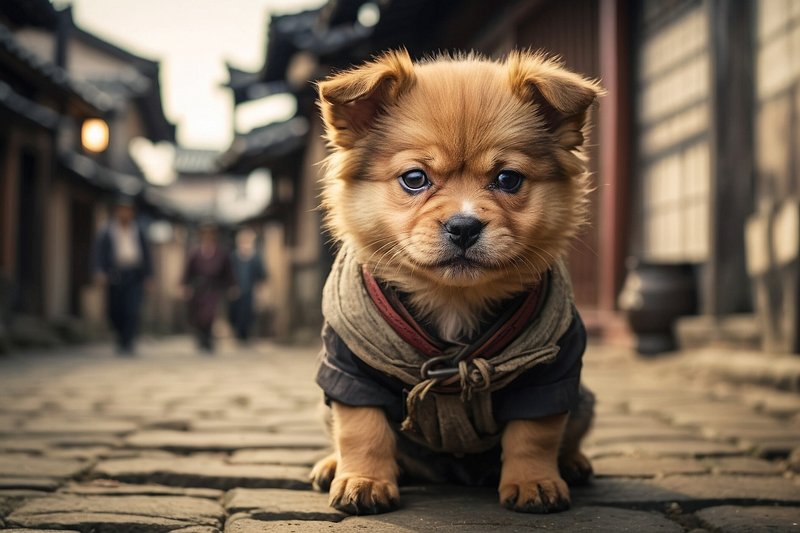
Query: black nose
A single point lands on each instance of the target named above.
(463, 230)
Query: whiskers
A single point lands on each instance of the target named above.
(387, 252)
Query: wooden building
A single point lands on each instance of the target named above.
(716, 180)
(56, 83)
(42, 208)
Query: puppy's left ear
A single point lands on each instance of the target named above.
(351, 100)
(562, 97)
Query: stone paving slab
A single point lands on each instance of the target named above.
(281, 504)
(691, 492)
(700, 413)
(757, 435)
(10, 423)
(732, 430)
(646, 467)
(661, 431)
(203, 472)
(771, 449)
(732, 519)
(665, 448)
(782, 404)
(722, 420)
(118, 513)
(60, 426)
(108, 487)
(22, 493)
(793, 461)
(24, 465)
(661, 406)
(781, 371)
(33, 483)
(277, 457)
(250, 425)
(83, 453)
(24, 442)
(17, 530)
(745, 465)
(108, 522)
(194, 441)
(264, 423)
(616, 420)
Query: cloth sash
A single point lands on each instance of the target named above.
(437, 415)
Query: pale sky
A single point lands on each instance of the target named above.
(193, 39)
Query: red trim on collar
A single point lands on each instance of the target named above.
(402, 322)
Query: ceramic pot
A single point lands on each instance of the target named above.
(653, 297)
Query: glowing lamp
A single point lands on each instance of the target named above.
(94, 135)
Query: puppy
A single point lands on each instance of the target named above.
(452, 348)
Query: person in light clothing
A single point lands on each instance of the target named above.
(123, 265)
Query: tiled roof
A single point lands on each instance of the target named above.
(100, 176)
(247, 86)
(117, 182)
(270, 141)
(40, 13)
(18, 104)
(281, 46)
(57, 76)
(130, 83)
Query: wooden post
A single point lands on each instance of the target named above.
(614, 163)
(726, 289)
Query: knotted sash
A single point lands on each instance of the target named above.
(443, 421)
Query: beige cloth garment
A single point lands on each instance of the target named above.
(126, 245)
(444, 422)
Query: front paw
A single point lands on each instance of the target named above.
(575, 469)
(323, 472)
(363, 495)
(540, 496)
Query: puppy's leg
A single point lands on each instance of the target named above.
(366, 464)
(323, 472)
(529, 479)
(574, 466)
(325, 469)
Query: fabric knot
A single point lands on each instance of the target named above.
(416, 395)
(475, 375)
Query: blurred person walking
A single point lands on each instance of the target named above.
(207, 277)
(123, 265)
(249, 270)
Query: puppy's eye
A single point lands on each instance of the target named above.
(414, 181)
(508, 181)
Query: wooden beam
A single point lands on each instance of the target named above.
(726, 289)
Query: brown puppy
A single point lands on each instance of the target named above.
(454, 186)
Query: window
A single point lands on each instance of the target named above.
(673, 120)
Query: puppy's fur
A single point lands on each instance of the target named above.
(462, 120)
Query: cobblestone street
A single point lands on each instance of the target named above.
(174, 441)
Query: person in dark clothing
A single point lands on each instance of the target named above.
(123, 265)
(208, 276)
(248, 268)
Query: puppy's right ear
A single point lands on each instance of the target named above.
(351, 100)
